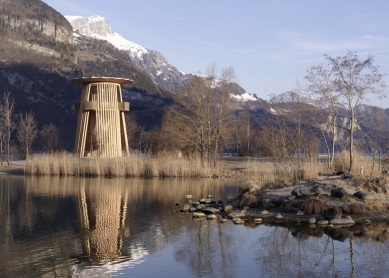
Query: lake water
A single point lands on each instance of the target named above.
(87, 227)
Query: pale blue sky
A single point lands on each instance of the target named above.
(270, 44)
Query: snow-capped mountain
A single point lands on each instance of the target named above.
(291, 96)
(151, 61)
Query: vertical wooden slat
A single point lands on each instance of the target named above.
(109, 123)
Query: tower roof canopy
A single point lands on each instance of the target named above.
(102, 79)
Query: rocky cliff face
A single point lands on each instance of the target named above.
(151, 61)
(32, 18)
(164, 74)
(52, 30)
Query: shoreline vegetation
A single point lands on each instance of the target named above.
(136, 165)
(258, 172)
(270, 184)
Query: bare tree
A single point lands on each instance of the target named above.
(27, 133)
(50, 138)
(134, 132)
(344, 83)
(7, 106)
(321, 85)
(200, 121)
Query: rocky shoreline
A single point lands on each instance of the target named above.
(332, 206)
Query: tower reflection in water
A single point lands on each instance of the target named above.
(101, 215)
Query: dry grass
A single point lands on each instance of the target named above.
(354, 208)
(279, 174)
(163, 165)
(314, 206)
(362, 164)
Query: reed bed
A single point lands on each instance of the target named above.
(363, 164)
(136, 165)
(279, 174)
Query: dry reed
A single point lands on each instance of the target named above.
(164, 165)
(278, 174)
(362, 164)
(314, 206)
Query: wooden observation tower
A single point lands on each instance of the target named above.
(101, 129)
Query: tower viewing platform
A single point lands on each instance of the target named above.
(101, 128)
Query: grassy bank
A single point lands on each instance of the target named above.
(163, 165)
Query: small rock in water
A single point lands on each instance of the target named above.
(238, 221)
(192, 209)
(186, 207)
(210, 196)
(177, 204)
(278, 216)
(323, 222)
(225, 207)
(300, 212)
(342, 221)
(246, 208)
(264, 212)
(202, 201)
(200, 207)
(312, 220)
(195, 203)
(198, 215)
(188, 196)
(349, 217)
(223, 220)
(210, 210)
(211, 217)
(258, 220)
(236, 215)
(208, 201)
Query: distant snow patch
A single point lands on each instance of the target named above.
(72, 17)
(244, 97)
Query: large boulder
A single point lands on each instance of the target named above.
(339, 192)
(302, 191)
(365, 195)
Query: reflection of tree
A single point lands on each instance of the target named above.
(209, 250)
(283, 253)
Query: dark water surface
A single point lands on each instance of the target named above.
(87, 227)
